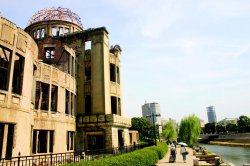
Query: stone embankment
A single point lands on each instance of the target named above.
(240, 139)
(203, 157)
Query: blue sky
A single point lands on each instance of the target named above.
(185, 55)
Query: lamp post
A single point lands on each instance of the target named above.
(153, 116)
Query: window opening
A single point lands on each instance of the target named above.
(49, 53)
(34, 34)
(42, 141)
(67, 102)
(5, 62)
(112, 72)
(72, 66)
(10, 141)
(66, 30)
(88, 45)
(72, 104)
(42, 96)
(1, 138)
(88, 105)
(60, 31)
(51, 141)
(120, 138)
(54, 94)
(34, 142)
(119, 106)
(54, 31)
(70, 140)
(113, 105)
(42, 33)
(38, 33)
(17, 82)
(118, 75)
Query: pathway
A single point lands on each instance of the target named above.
(179, 160)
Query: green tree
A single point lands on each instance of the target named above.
(189, 129)
(144, 127)
(231, 128)
(210, 128)
(244, 124)
(169, 131)
(220, 129)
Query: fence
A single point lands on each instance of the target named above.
(54, 159)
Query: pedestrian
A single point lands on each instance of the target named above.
(184, 153)
(172, 153)
(174, 142)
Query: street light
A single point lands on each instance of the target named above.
(153, 115)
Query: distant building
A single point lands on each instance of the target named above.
(202, 123)
(211, 114)
(226, 121)
(149, 109)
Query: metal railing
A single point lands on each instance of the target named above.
(54, 159)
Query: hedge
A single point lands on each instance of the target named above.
(143, 157)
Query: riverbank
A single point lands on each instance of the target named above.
(225, 143)
(237, 155)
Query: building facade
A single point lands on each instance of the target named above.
(61, 87)
(149, 110)
(211, 115)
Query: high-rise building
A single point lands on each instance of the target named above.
(149, 110)
(55, 79)
(211, 115)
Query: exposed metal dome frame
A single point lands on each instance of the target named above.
(60, 13)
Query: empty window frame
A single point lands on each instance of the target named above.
(1, 138)
(113, 105)
(72, 66)
(10, 137)
(112, 72)
(54, 31)
(43, 141)
(119, 106)
(60, 31)
(88, 45)
(54, 94)
(88, 105)
(5, 63)
(66, 30)
(67, 102)
(70, 140)
(49, 53)
(118, 74)
(42, 96)
(38, 34)
(72, 104)
(42, 32)
(18, 74)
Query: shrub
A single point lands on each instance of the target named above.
(143, 157)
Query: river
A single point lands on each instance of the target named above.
(236, 155)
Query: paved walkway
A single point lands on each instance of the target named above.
(179, 160)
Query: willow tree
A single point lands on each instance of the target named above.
(189, 129)
(169, 131)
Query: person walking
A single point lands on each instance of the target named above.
(184, 153)
(172, 154)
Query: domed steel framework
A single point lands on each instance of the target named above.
(60, 13)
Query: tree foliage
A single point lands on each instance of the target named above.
(189, 129)
(169, 131)
(144, 127)
(244, 124)
(210, 128)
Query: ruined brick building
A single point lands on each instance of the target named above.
(60, 87)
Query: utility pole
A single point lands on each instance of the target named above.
(152, 115)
